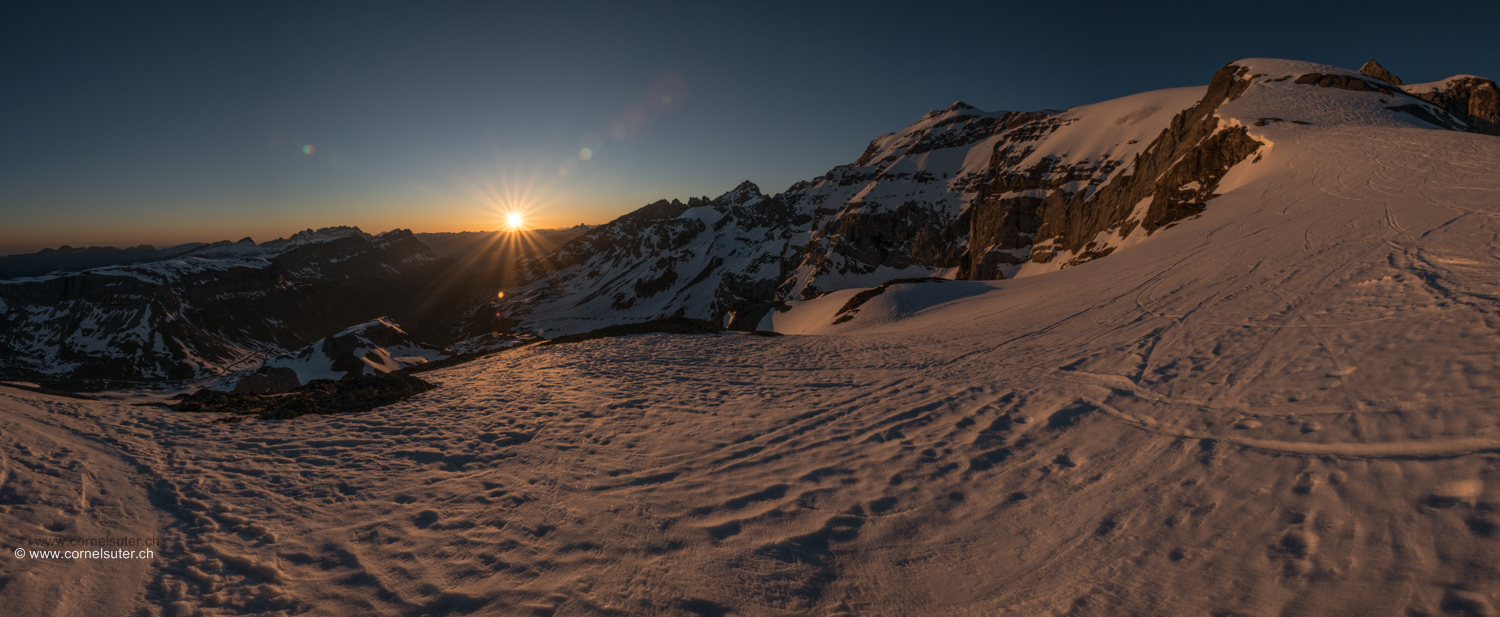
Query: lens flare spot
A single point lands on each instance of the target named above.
(308, 149)
(585, 154)
(514, 222)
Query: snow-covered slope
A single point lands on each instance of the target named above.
(960, 194)
(1283, 405)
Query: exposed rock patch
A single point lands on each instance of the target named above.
(268, 380)
(319, 397)
(670, 325)
(1343, 82)
(1473, 100)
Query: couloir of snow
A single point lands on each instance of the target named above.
(1284, 406)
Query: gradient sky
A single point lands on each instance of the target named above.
(171, 123)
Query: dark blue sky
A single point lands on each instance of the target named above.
(184, 122)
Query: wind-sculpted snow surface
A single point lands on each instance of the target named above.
(1281, 406)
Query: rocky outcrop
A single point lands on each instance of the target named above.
(1464, 103)
(1176, 175)
(1473, 100)
(268, 380)
(320, 397)
(1344, 82)
(1373, 69)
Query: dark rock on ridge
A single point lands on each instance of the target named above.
(1343, 82)
(1473, 100)
(1373, 69)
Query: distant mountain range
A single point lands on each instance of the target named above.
(202, 311)
(479, 250)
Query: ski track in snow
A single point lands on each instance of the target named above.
(1283, 406)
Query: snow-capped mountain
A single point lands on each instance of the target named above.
(210, 310)
(965, 194)
(704, 257)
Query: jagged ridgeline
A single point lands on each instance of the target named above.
(961, 193)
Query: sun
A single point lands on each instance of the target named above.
(514, 222)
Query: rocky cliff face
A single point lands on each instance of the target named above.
(1172, 179)
(1047, 188)
(197, 317)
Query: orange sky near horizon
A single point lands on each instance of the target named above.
(27, 234)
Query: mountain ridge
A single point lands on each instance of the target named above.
(961, 193)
